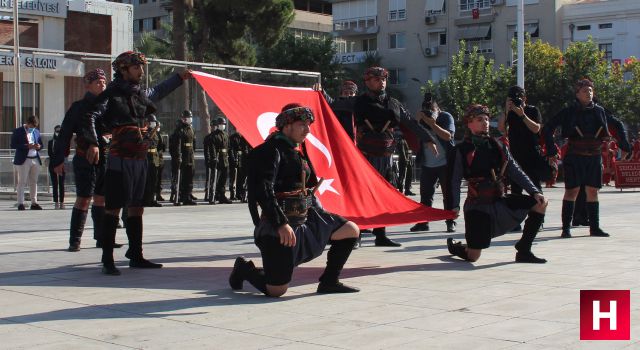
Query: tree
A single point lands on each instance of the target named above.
(305, 53)
(228, 31)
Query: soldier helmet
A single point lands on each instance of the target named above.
(372, 72)
(127, 59)
(219, 121)
(186, 114)
(293, 112)
(475, 110)
(94, 75)
(152, 118)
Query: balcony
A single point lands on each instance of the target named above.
(356, 26)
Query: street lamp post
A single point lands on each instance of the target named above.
(16, 66)
(520, 30)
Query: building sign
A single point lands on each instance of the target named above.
(351, 57)
(49, 8)
(627, 174)
(56, 65)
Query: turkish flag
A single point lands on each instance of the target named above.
(352, 187)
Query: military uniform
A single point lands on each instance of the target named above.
(405, 167)
(153, 166)
(238, 151)
(220, 140)
(184, 154)
(211, 164)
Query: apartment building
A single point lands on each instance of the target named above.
(416, 38)
(613, 24)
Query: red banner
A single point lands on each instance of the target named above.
(352, 187)
(627, 174)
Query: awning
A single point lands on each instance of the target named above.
(434, 6)
(474, 32)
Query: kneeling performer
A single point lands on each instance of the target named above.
(488, 212)
(293, 228)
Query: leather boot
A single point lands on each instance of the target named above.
(421, 226)
(523, 246)
(76, 228)
(109, 227)
(97, 215)
(134, 253)
(593, 209)
(239, 273)
(336, 258)
(457, 248)
(567, 215)
(382, 240)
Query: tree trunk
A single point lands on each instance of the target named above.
(180, 42)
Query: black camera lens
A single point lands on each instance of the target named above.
(517, 101)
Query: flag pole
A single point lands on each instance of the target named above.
(520, 30)
(16, 66)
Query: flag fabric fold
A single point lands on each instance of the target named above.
(351, 187)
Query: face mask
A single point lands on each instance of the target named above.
(222, 127)
(152, 125)
(31, 129)
(56, 132)
(188, 120)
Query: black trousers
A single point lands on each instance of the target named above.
(57, 183)
(186, 182)
(233, 177)
(405, 175)
(223, 176)
(429, 177)
(151, 184)
(241, 183)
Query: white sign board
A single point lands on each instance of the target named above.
(49, 8)
(56, 65)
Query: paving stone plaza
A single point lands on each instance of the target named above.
(413, 297)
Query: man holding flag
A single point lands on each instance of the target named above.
(293, 228)
(377, 115)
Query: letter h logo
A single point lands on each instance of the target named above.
(605, 315)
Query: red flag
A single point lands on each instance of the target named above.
(352, 187)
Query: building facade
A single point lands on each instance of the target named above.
(613, 24)
(50, 82)
(416, 39)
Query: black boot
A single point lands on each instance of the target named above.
(97, 214)
(529, 232)
(567, 215)
(134, 253)
(382, 240)
(457, 248)
(241, 269)
(421, 226)
(76, 228)
(336, 258)
(109, 227)
(593, 209)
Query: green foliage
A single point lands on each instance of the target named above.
(228, 31)
(305, 53)
(550, 76)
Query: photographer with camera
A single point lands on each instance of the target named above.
(441, 127)
(521, 124)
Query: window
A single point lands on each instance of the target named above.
(157, 23)
(584, 27)
(438, 73)
(396, 40)
(468, 5)
(607, 48)
(143, 1)
(28, 102)
(341, 46)
(397, 10)
(435, 7)
(483, 45)
(397, 76)
(437, 38)
(443, 39)
(605, 25)
(140, 25)
(532, 29)
(370, 44)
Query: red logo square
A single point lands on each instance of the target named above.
(605, 315)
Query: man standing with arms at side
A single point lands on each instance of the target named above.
(221, 144)
(184, 153)
(27, 142)
(153, 161)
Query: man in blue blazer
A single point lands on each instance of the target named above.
(27, 142)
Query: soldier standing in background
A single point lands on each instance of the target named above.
(405, 167)
(210, 163)
(153, 161)
(183, 152)
(221, 144)
(239, 148)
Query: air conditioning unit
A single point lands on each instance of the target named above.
(430, 20)
(431, 51)
(496, 2)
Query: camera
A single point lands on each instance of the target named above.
(517, 101)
